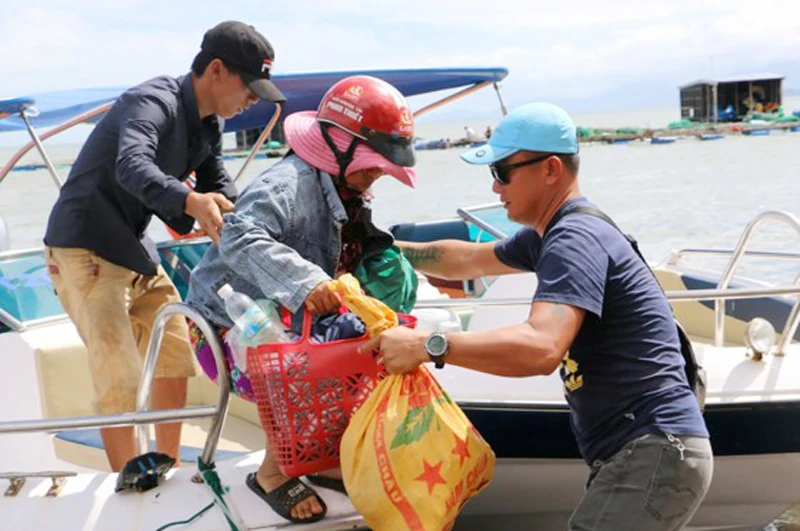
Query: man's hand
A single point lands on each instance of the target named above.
(323, 299)
(207, 209)
(402, 349)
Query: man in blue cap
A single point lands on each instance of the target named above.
(598, 315)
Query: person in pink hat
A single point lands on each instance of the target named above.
(299, 225)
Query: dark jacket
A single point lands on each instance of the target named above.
(132, 166)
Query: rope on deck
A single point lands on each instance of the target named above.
(211, 478)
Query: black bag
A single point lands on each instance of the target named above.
(695, 373)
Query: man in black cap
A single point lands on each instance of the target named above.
(104, 267)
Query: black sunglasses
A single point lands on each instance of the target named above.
(500, 172)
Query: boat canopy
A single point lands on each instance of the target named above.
(303, 92)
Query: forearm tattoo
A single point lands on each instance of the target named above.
(420, 257)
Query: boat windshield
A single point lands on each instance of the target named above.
(488, 222)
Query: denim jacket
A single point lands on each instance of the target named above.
(282, 240)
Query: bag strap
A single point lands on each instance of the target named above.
(695, 373)
(596, 212)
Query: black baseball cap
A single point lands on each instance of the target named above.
(243, 48)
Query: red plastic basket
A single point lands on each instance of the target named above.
(306, 394)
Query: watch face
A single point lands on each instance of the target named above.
(436, 345)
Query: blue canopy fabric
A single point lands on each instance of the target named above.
(58, 107)
(14, 105)
(303, 93)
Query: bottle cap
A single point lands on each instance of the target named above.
(225, 291)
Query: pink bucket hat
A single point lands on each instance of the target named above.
(305, 137)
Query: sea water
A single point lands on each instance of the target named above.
(673, 196)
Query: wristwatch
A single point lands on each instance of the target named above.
(436, 346)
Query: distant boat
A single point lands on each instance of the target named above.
(757, 132)
(439, 143)
(663, 139)
(711, 137)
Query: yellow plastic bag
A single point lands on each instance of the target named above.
(410, 457)
(376, 315)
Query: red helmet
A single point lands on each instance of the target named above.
(374, 111)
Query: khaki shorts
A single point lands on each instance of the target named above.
(113, 309)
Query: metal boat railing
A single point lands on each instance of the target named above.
(468, 216)
(11, 322)
(733, 264)
(691, 295)
(148, 372)
(791, 326)
(36, 141)
(143, 416)
(721, 294)
(261, 139)
(676, 256)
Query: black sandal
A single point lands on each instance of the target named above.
(284, 498)
(328, 483)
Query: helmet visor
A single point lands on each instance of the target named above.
(398, 149)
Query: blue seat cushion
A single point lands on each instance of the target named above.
(189, 454)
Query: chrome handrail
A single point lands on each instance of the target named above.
(11, 322)
(55, 425)
(733, 264)
(40, 148)
(260, 142)
(468, 216)
(149, 370)
(672, 296)
(499, 97)
(447, 99)
(143, 416)
(677, 255)
(21, 253)
(52, 132)
(789, 329)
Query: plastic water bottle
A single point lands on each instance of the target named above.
(254, 324)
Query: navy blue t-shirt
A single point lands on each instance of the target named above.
(624, 374)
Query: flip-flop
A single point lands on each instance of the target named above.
(284, 498)
(328, 483)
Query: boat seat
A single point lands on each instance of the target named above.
(88, 445)
(26, 291)
(179, 261)
(66, 390)
(451, 229)
(697, 317)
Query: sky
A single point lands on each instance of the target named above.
(583, 55)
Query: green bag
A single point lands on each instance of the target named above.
(389, 277)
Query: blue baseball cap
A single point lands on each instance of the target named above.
(541, 127)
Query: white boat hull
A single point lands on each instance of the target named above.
(752, 485)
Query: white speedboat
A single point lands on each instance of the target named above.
(52, 460)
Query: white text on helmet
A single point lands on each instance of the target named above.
(336, 107)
